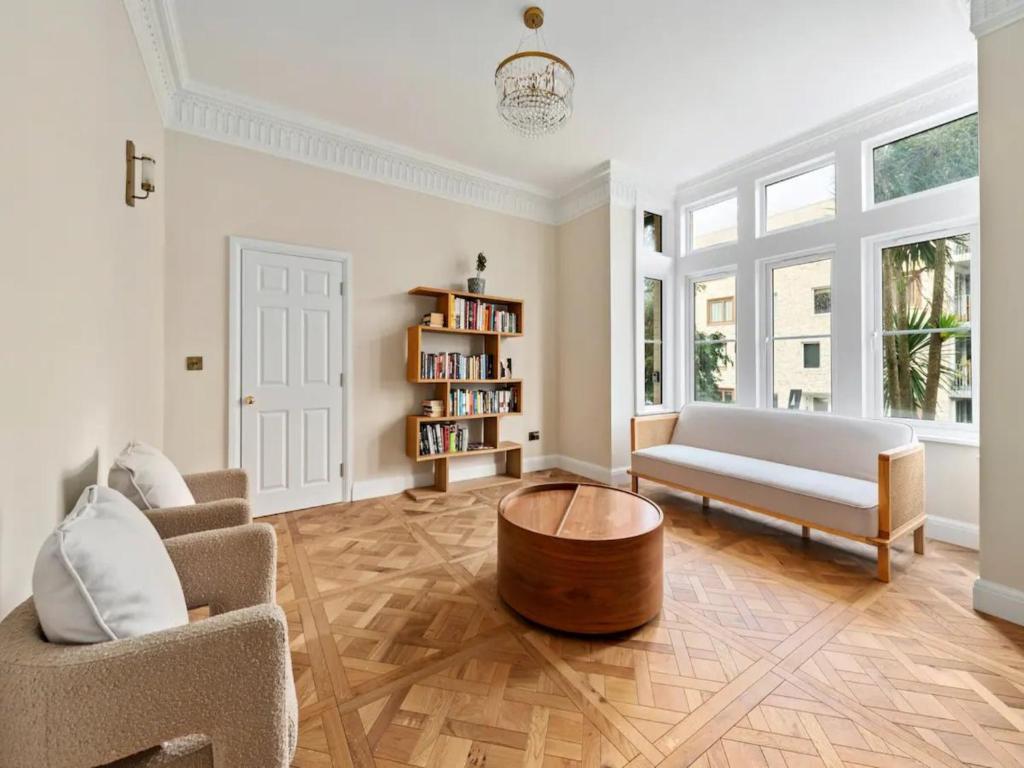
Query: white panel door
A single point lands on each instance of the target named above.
(291, 395)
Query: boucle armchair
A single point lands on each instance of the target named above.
(222, 501)
(217, 693)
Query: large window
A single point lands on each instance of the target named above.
(713, 224)
(714, 339)
(799, 343)
(932, 158)
(926, 329)
(802, 198)
(653, 342)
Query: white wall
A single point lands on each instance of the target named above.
(950, 466)
(82, 273)
(398, 239)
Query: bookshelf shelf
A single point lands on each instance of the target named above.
(498, 311)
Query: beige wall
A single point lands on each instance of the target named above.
(584, 324)
(82, 314)
(398, 239)
(1001, 115)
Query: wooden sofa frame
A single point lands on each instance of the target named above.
(900, 491)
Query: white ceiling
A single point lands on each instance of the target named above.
(672, 88)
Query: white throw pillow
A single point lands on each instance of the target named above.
(104, 574)
(148, 478)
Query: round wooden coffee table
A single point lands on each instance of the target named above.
(579, 557)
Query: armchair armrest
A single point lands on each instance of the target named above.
(647, 431)
(177, 521)
(227, 569)
(219, 484)
(900, 488)
(228, 677)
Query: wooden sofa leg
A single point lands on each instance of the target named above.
(884, 567)
(634, 483)
(705, 503)
(805, 531)
(919, 539)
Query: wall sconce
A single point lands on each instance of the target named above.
(146, 166)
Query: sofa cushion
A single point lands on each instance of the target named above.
(148, 479)
(103, 574)
(833, 501)
(836, 444)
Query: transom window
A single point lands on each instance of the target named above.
(714, 340)
(932, 158)
(802, 198)
(713, 224)
(926, 329)
(798, 346)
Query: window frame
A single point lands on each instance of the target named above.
(688, 307)
(656, 265)
(761, 199)
(874, 403)
(644, 341)
(706, 202)
(726, 301)
(868, 147)
(766, 332)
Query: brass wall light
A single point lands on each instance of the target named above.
(146, 167)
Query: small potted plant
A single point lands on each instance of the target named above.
(476, 284)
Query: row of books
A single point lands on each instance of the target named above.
(480, 316)
(471, 402)
(453, 365)
(445, 438)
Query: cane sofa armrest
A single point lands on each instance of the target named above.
(226, 569)
(648, 431)
(206, 516)
(900, 488)
(219, 484)
(229, 677)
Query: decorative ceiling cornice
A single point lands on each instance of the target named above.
(989, 15)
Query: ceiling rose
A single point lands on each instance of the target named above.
(534, 87)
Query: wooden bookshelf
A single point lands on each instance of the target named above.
(490, 344)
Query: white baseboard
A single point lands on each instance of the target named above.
(586, 469)
(952, 531)
(998, 600)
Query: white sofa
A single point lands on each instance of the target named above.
(858, 478)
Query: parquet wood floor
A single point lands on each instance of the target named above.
(770, 651)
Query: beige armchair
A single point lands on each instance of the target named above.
(222, 501)
(217, 693)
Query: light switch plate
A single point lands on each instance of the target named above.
(194, 363)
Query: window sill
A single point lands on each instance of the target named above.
(967, 439)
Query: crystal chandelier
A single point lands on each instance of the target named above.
(534, 87)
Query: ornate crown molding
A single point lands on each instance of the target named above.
(989, 15)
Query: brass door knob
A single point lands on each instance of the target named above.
(249, 400)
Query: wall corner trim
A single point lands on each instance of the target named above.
(999, 600)
(987, 16)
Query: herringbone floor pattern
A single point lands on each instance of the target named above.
(770, 651)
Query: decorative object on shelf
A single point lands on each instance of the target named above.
(476, 284)
(146, 167)
(534, 88)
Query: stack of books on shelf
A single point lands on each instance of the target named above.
(472, 402)
(433, 408)
(443, 438)
(477, 315)
(433, 320)
(453, 365)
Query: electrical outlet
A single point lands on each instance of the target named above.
(194, 363)
(535, 435)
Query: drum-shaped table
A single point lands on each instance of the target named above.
(579, 557)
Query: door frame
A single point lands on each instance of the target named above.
(236, 246)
